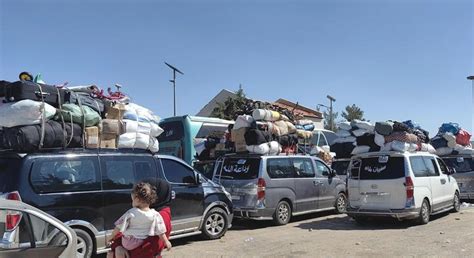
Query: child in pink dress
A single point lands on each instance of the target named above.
(139, 222)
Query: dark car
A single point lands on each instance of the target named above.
(464, 166)
(89, 190)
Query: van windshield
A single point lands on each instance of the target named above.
(9, 171)
(383, 167)
(340, 166)
(462, 165)
(239, 168)
(172, 131)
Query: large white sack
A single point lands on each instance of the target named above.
(404, 146)
(344, 126)
(243, 121)
(275, 148)
(343, 133)
(261, 149)
(451, 139)
(444, 151)
(428, 148)
(363, 125)
(386, 147)
(360, 150)
(379, 139)
(149, 128)
(360, 132)
(345, 139)
(467, 151)
(138, 141)
(262, 114)
(24, 112)
(139, 113)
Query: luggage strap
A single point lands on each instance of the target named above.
(62, 119)
(43, 118)
(83, 121)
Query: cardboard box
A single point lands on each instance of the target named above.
(238, 136)
(108, 141)
(220, 147)
(92, 137)
(112, 126)
(240, 148)
(115, 112)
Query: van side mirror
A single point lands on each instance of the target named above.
(198, 179)
(451, 171)
(331, 173)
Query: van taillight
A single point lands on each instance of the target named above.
(261, 188)
(13, 218)
(409, 186)
(14, 196)
(410, 192)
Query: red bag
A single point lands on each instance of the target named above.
(463, 137)
(152, 246)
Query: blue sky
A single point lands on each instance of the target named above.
(395, 59)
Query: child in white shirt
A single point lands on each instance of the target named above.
(139, 222)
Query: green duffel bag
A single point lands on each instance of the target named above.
(72, 111)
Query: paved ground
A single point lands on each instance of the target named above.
(329, 235)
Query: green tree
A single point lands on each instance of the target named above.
(353, 112)
(231, 107)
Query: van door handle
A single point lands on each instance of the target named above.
(443, 181)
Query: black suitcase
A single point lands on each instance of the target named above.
(86, 99)
(3, 84)
(21, 90)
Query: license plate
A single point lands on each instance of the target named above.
(235, 197)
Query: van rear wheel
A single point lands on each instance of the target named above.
(341, 203)
(282, 214)
(425, 212)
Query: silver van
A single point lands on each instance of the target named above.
(464, 167)
(279, 187)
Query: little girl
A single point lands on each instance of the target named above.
(140, 221)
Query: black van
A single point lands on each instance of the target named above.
(88, 190)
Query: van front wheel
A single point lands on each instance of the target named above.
(282, 213)
(456, 203)
(215, 224)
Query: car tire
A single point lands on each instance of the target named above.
(341, 203)
(215, 224)
(456, 203)
(282, 213)
(85, 245)
(425, 211)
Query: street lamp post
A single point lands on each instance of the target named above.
(331, 100)
(174, 84)
(471, 78)
(329, 109)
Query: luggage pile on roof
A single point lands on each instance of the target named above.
(264, 132)
(35, 116)
(358, 137)
(452, 140)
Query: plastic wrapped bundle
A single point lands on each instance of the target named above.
(344, 126)
(138, 141)
(363, 125)
(270, 148)
(24, 112)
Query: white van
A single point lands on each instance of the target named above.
(400, 185)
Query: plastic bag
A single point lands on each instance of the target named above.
(24, 112)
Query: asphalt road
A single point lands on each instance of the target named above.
(330, 235)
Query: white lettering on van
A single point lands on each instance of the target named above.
(238, 169)
(375, 169)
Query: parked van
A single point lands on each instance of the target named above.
(180, 132)
(279, 187)
(464, 167)
(89, 190)
(400, 185)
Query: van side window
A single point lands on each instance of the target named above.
(322, 140)
(443, 167)
(431, 166)
(119, 174)
(65, 175)
(418, 167)
(177, 173)
(280, 168)
(321, 168)
(303, 168)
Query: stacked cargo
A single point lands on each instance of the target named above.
(359, 137)
(452, 139)
(37, 116)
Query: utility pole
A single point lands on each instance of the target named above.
(331, 100)
(471, 78)
(174, 84)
